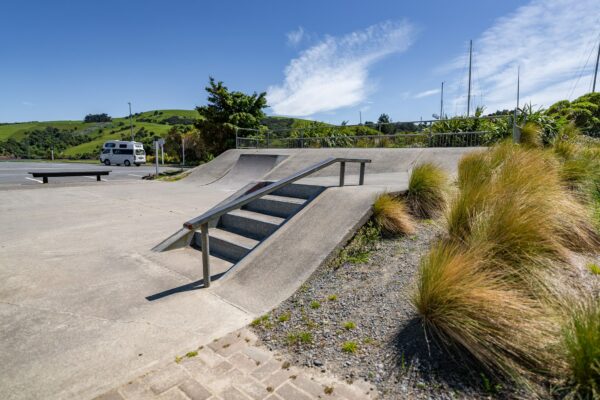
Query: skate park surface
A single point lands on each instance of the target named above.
(85, 305)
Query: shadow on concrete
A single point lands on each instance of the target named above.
(183, 288)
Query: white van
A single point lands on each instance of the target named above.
(121, 152)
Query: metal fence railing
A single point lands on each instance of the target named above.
(450, 139)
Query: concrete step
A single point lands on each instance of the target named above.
(278, 206)
(250, 224)
(226, 245)
(299, 191)
(218, 265)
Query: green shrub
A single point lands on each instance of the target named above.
(349, 325)
(427, 190)
(349, 347)
(303, 337)
(593, 268)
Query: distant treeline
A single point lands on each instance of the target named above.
(40, 142)
(97, 118)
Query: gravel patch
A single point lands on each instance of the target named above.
(356, 320)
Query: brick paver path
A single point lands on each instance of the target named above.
(235, 367)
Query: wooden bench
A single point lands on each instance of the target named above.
(45, 175)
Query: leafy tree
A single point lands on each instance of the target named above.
(227, 111)
(195, 149)
(385, 124)
(97, 118)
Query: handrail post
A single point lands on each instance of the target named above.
(342, 172)
(361, 179)
(205, 254)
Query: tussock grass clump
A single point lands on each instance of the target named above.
(391, 215)
(505, 191)
(493, 288)
(582, 343)
(531, 135)
(473, 169)
(427, 190)
(564, 149)
(474, 309)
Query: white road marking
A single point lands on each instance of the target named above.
(94, 178)
(31, 179)
(139, 176)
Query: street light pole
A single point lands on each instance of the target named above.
(130, 122)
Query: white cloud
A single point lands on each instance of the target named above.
(427, 93)
(550, 40)
(295, 37)
(27, 103)
(334, 72)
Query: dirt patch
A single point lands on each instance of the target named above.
(356, 320)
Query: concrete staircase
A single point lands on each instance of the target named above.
(239, 231)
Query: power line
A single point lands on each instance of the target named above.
(584, 66)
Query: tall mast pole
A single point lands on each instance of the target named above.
(442, 102)
(515, 138)
(596, 70)
(470, 65)
(130, 121)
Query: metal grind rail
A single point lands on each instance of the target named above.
(203, 220)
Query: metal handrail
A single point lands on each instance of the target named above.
(203, 220)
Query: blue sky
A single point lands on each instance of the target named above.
(323, 60)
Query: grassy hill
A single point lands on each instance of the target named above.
(145, 125)
(34, 139)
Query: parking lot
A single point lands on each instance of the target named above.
(17, 172)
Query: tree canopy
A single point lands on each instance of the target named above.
(97, 118)
(227, 110)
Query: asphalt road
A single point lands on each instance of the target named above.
(16, 173)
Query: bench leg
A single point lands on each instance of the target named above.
(45, 179)
(98, 178)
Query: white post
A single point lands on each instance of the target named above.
(162, 152)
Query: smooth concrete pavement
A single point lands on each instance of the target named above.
(75, 271)
(85, 305)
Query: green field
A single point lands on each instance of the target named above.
(99, 132)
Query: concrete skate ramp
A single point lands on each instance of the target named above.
(251, 167)
(234, 167)
(280, 264)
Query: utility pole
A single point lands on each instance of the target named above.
(360, 117)
(130, 121)
(596, 70)
(182, 151)
(470, 65)
(516, 136)
(442, 102)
